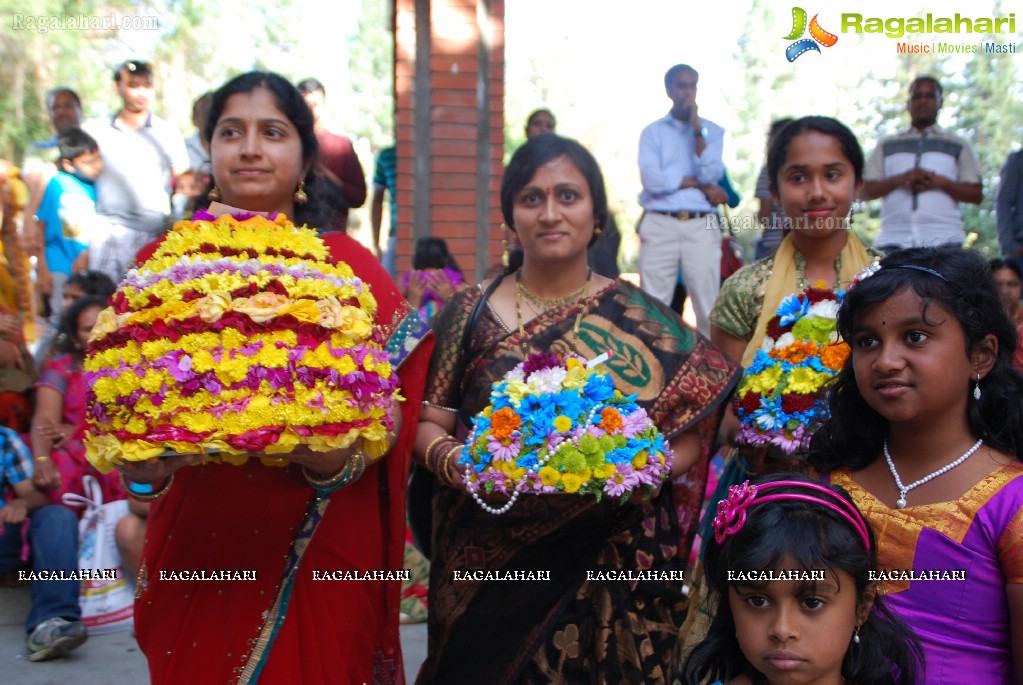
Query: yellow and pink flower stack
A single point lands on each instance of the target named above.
(237, 337)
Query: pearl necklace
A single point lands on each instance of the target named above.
(473, 488)
(903, 489)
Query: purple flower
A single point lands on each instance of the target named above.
(789, 443)
(503, 452)
(539, 361)
(650, 474)
(635, 423)
(182, 370)
(624, 480)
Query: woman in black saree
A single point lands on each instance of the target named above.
(586, 623)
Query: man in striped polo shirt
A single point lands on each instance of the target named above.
(923, 173)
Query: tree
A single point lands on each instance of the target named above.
(989, 113)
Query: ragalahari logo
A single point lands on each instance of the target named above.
(803, 46)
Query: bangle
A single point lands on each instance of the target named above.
(349, 473)
(145, 492)
(445, 472)
(433, 443)
(436, 460)
(42, 458)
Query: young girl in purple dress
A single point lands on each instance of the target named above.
(926, 433)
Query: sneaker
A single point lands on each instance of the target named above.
(54, 638)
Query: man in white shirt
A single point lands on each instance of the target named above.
(679, 165)
(923, 173)
(142, 154)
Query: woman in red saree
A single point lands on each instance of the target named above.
(586, 622)
(288, 624)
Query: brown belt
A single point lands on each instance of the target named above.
(683, 215)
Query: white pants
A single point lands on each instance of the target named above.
(666, 244)
(114, 252)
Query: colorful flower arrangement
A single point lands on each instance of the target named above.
(237, 336)
(782, 397)
(558, 425)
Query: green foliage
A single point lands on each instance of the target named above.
(371, 56)
(990, 114)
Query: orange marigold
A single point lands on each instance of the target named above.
(833, 356)
(503, 423)
(610, 419)
(796, 352)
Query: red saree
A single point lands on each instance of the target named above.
(245, 518)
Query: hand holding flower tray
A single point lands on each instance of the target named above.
(557, 425)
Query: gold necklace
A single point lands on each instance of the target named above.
(585, 291)
(549, 303)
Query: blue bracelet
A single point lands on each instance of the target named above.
(145, 492)
(139, 488)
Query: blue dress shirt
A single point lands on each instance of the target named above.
(667, 154)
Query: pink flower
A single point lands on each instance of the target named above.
(624, 480)
(789, 443)
(635, 423)
(650, 474)
(501, 451)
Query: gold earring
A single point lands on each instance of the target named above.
(300, 197)
(597, 230)
(214, 194)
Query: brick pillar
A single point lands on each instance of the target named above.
(449, 127)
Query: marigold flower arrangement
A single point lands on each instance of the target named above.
(236, 336)
(782, 397)
(558, 425)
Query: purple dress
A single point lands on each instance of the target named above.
(975, 544)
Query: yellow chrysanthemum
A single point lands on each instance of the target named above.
(639, 461)
(563, 424)
(765, 381)
(806, 381)
(572, 482)
(549, 476)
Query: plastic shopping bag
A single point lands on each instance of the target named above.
(106, 599)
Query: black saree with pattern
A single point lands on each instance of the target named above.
(584, 623)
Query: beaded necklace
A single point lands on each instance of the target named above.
(520, 290)
(904, 489)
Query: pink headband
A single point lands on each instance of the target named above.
(731, 514)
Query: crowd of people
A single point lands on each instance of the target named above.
(889, 550)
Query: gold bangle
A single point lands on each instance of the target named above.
(445, 473)
(43, 457)
(155, 493)
(347, 474)
(433, 443)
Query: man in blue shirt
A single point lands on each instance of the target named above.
(51, 533)
(679, 165)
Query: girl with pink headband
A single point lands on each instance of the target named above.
(791, 569)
